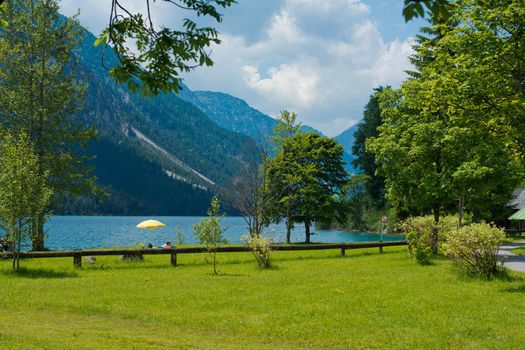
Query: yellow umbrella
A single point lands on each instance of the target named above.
(151, 224)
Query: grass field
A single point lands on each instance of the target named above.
(308, 300)
(520, 250)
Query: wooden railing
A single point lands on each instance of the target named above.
(78, 254)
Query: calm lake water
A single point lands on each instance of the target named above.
(82, 232)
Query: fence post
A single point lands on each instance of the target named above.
(343, 250)
(77, 260)
(380, 249)
(173, 258)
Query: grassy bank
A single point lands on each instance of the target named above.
(307, 300)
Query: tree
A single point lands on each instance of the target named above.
(432, 156)
(21, 197)
(209, 231)
(38, 95)
(152, 57)
(308, 177)
(248, 191)
(357, 200)
(454, 136)
(286, 128)
(365, 160)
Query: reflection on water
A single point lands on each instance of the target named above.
(82, 232)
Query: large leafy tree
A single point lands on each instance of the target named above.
(39, 95)
(284, 131)
(308, 175)
(452, 135)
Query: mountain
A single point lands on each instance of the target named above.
(159, 155)
(234, 114)
(346, 138)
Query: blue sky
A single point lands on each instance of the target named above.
(319, 58)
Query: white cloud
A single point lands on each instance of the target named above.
(319, 58)
(326, 76)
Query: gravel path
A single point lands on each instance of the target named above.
(513, 261)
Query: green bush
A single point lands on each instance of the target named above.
(475, 248)
(260, 247)
(419, 233)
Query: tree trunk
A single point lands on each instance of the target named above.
(461, 205)
(37, 241)
(288, 225)
(435, 237)
(307, 231)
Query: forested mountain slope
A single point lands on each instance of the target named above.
(159, 155)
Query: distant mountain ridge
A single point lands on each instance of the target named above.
(235, 114)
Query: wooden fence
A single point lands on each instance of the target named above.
(173, 252)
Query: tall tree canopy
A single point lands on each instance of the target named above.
(39, 95)
(452, 135)
(365, 160)
(308, 176)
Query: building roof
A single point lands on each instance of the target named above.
(519, 215)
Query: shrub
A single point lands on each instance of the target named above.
(419, 233)
(179, 239)
(260, 247)
(209, 231)
(475, 248)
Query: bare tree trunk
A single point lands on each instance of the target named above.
(288, 225)
(461, 205)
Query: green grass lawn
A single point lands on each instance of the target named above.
(520, 250)
(312, 300)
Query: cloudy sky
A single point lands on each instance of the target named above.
(319, 58)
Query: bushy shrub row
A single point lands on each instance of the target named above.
(473, 247)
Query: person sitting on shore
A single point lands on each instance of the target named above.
(167, 245)
(149, 246)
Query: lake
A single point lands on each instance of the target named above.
(83, 232)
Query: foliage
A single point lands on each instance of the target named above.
(21, 195)
(418, 232)
(286, 128)
(475, 248)
(364, 159)
(306, 180)
(39, 93)
(436, 151)
(152, 57)
(357, 201)
(261, 249)
(209, 231)
(421, 233)
(279, 199)
(422, 8)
